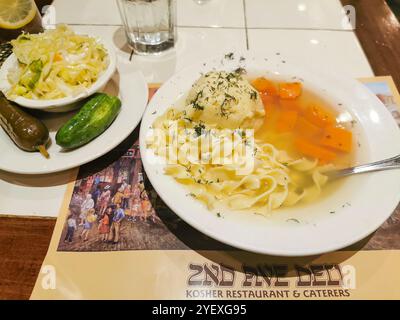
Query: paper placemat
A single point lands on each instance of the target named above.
(152, 254)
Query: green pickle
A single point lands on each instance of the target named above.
(93, 119)
(26, 131)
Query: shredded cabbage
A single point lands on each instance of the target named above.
(55, 64)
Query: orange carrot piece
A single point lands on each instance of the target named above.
(57, 57)
(267, 99)
(337, 138)
(319, 116)
(264, 86)
(311, 150)
(306, 128)
(287, 121)
(269, 103)
(290, 90)
(289, 104)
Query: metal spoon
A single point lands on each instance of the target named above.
(391, 163)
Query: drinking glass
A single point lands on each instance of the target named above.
(34, 26)
(150, 25)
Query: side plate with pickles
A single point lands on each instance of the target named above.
(103, 114)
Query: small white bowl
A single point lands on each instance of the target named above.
(62, 104)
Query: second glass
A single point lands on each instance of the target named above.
(150, 25)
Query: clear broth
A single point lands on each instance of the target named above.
(285, 141)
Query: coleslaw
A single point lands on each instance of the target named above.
(55, 64)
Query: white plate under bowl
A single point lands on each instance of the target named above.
(61, 104)
(350, 211)
(126, 83)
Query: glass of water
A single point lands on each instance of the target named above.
(150, 25)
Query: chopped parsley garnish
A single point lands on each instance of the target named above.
(195, 103)
(224, 108)
(219, 83)
(253, 95)
(229, 56)
(240, 71)
(230, 97)
(231, 76)
(241, 133)
(199, 129)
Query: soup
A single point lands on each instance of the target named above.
(304, 125)
(297, 135)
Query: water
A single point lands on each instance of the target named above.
(150, 25)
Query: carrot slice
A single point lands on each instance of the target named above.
(264, 86)
(289, 104)
(269, 103)
(311, 150)
(58, 57)
(267, 99)
(337, 138)
(290, 90)
(306, 128)
(319, 116)
(287, 121)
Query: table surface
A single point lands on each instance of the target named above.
(316, 28)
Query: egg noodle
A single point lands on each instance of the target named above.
(228, 167)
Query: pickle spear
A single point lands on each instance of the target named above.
(27, 132)
(93, 119)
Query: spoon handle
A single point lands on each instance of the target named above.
(391, 163)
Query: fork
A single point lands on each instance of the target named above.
(387, 164)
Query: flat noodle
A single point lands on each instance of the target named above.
(319, 179)
(293, 198)
(303, 164)
(217, 179)
(277, 199)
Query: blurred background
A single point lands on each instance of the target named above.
(395, 6)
